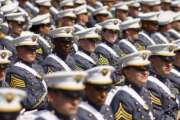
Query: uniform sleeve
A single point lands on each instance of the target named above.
(121, 107)
(16, 81)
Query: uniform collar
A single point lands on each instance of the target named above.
(86, 52)
(27, 63)
(97, 107)
(138, 89)
(161, 78)
(61, 116)
(108, 43)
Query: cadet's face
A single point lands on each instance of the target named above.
(122, 15)
(91, 2)
(145, 8)
(156, 8)
(16, 27)
(26, 54)
(109, 3)
(101, 18)
(99, 95)
(133, 11)
(83, 17)
(177, 59)
(110, 36)
(160, 66)
(132, 34)
(43, 9)
(63, 104)
(63, 46)
(88, 45)
(44, 29)
(176, 25)
(67, 21)
(176, 9)
(152, 26)
(55, 3)
(137, 75)
(166, 6)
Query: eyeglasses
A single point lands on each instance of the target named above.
(31, 48)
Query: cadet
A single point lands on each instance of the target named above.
(130, 29)
(94, 3)
(41, 26)
(150, 5)
(163, 91)
(149, 22)
(134, 9)
(132, 101)
(4, 62)
(78, 3)
(62, 39)
(28, 7)
(175, 6)
(121, 11)
(4, 41)
(108, 3)
(66, 4)
(16, 23)
(99, 83)
(166, 5)
(10, 104)
(176, 22)
(66, 18)
(106, 50)
(101, 14)
(64, 91)
(165, 20)
(43, 5)
(175, 72)
(82, 18)
(26, 74)
(162, 36)
(55, 4)
(85, 58)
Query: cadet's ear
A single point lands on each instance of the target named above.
(125, 71)
(126, 32)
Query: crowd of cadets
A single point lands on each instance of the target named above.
(89, 59)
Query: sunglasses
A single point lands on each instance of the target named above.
(141, 69)
(64, 39)
(102, 88)
(72, 94)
